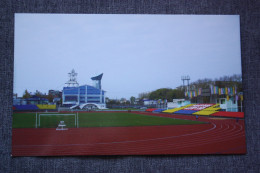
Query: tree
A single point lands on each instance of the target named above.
(144, 95)
(123, 101)
(167, 93)
(26, 94)
(39, 94)
(50, 97)
(113, 102)
(132, 100)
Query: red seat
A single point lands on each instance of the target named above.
(229, 114)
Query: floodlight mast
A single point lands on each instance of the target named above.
(72, 79)
(186, 78)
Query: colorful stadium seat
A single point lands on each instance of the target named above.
(177, 109)
(229, 114)
(46, 106)
(208, 111)
(26, 107)
(185, 111)
(194, 108)
(159, 110)
(150, 109)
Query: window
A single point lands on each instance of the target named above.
(93, 98)
(70, 90)
(223, 101)
(71, 98)
(93, 101)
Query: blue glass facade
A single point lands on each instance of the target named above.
(83, 94)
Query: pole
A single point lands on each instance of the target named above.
(75, 120)
(241, 106)
(39, 120)
(78, 119)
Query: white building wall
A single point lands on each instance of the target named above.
(229, 105)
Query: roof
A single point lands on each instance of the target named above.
(99, 77)
(35, 98)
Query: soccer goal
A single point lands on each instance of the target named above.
(54, 120)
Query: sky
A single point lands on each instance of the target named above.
(135, 53)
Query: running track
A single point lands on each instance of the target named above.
(217, 136)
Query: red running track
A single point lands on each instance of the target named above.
(218, 136)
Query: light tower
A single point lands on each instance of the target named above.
(72, 79)
(186, 78)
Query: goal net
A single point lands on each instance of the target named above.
(51, 120)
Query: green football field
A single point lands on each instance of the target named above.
(94, 119)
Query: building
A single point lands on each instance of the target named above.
(55, 93)
(148, 102)
(176, 103)
(34, 100)
(84, 96)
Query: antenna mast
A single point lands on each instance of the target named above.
(72, 79)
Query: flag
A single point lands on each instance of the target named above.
(226, 91)
(241, 96)
(227, 97)
(219, 91)
(211, 89)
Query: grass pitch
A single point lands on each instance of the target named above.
(96, 119)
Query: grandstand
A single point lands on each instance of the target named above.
(201, 109)
(151, 109)
(25, 107)
(158, 110)
(228, 114)
(177, 109)
(46, 106)
(208, 111)
(33, 107)
(192, 109)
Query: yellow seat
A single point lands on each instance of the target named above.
(208, 111)
(177, 109)
(46, 106)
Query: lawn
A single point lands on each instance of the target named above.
(96, 119)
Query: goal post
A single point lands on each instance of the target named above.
(51, 120)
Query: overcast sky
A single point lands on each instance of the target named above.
(136, 53)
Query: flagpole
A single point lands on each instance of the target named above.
(241, 106)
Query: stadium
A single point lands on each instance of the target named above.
(87, 127)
